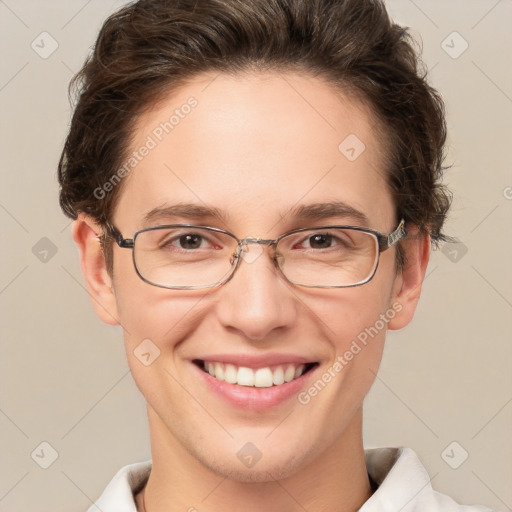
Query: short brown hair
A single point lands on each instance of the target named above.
(149, 47)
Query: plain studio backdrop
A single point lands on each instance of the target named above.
(70, 414)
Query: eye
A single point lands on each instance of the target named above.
(190, 241)
(325, 240)
(320, 241)
(186, 241)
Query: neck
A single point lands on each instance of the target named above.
(336, 480)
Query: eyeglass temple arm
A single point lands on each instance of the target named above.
(111, 230)
(385, 242)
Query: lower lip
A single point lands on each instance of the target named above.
(253, 398)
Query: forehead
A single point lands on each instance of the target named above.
(253, 146)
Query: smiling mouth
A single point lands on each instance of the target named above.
(263, 377)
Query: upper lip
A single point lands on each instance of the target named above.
(254, 361)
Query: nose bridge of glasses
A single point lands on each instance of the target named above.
(244, 243)
(253, 240)
(243, 248)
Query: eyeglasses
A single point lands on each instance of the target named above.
(191, 257)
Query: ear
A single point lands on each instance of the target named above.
(99, 283)
(408, 281)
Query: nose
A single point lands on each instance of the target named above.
(256, 301)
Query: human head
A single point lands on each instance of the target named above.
(151, 47)
(357, 55)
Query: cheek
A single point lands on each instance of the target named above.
(356, 313)
(355, 327)
(355, 321)
(155, 323)
(147, 312)
(358, 343)
(164, 316)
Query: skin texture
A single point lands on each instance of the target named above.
(255, 146)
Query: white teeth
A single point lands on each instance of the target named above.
(245, 376)
(260, 378)
(289, 374)
(299, 371)
(278, 376)
(230, 374)
(219, 371)
(263, 378)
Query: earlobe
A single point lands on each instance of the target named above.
(409, 281)
(99, 283)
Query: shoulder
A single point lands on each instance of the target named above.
(404, 484)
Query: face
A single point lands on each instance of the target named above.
(255, 149)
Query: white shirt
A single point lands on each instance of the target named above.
(403, 485)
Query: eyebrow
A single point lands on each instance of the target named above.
(309, 212)
(317, 211)
(187, 210)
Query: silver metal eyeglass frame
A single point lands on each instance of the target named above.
(385, 241)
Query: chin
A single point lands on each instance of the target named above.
(268, 468)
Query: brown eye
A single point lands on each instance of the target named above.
(190, 241)
(185, 241)
(320, 241)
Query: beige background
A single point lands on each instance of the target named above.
(64, 379)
